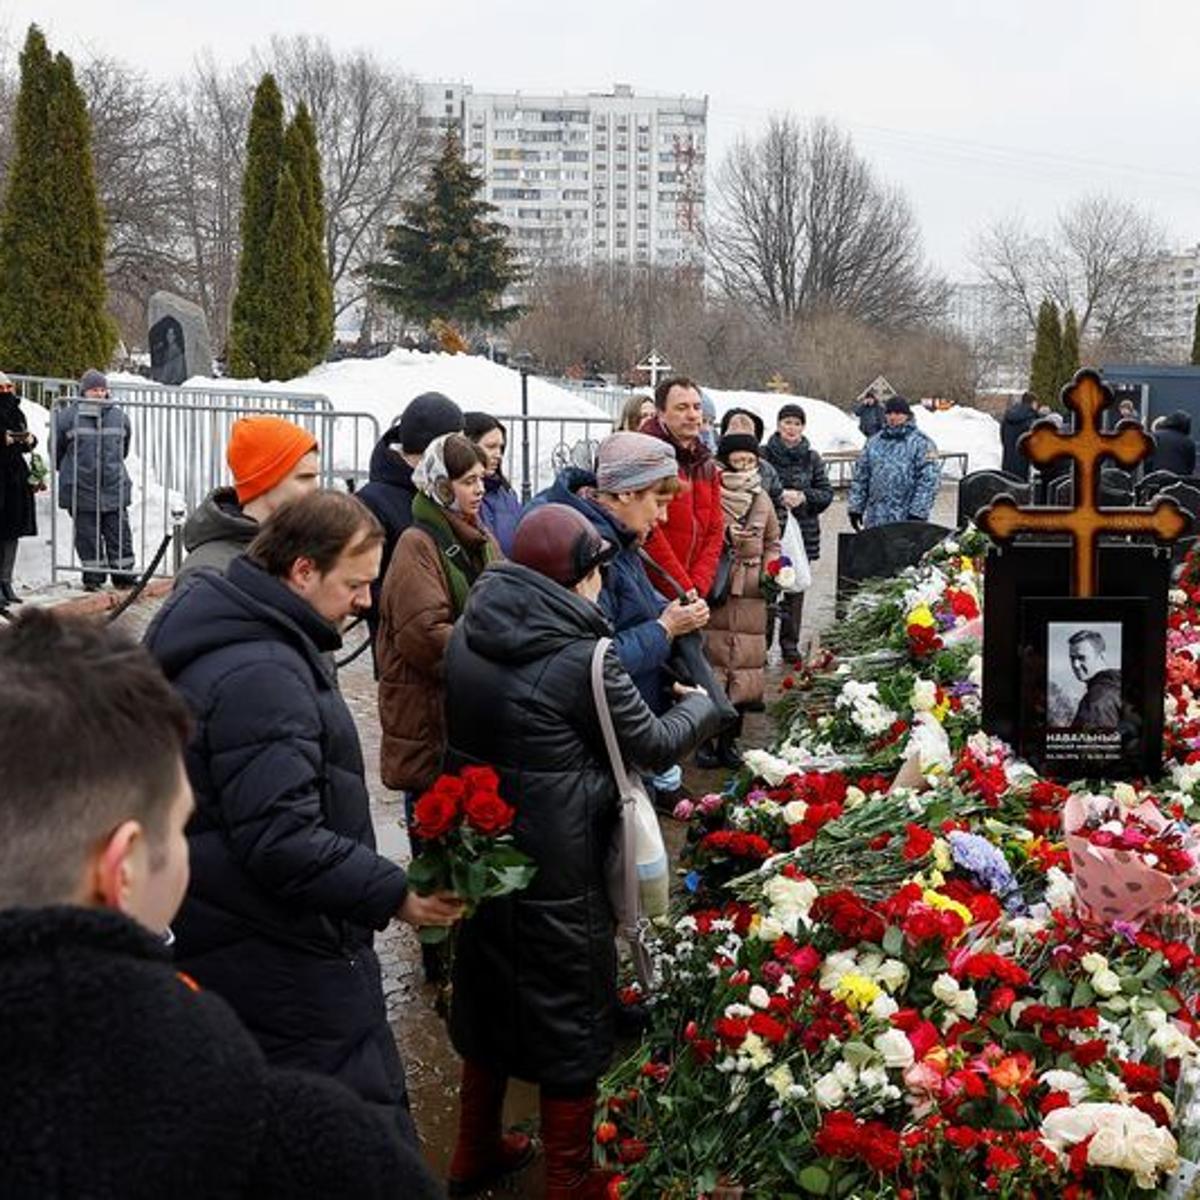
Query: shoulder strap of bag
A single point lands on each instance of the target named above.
(605, 715)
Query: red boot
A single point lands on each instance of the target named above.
(484, 1154)
(567, 1143)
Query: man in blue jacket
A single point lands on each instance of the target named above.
(636, 478)
(897, 475)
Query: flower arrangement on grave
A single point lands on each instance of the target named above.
(892, 985)
(467, 845)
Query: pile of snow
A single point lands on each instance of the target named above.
(963, 431)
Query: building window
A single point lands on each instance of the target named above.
(449, 93)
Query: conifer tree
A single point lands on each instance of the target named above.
(1196, 339)
(448, 257)
(286, 275)
(303, 159)
(52, 318)
(1068, 356)
(1047, 348)
(264, 153)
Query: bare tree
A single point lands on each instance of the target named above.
(372, 148)
(800, 224)
(1097, 258)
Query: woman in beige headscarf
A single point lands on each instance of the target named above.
(735, 639)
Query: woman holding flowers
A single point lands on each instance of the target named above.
(735, 639)
(535, 973)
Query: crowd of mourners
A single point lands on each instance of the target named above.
(189, 879)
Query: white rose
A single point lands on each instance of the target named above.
(1106, 982)
(967, 1005)
(829, 1092)
(1066, 1081)
(1149, 1151)
(794, 811)
(872, 1079)
(892, 974)
(759, 997)
(786, 578)
(1107, 1148)
(946, 989)
(896, 1049)
(1125, 796)
(883, 1007)
(770, 929)
(1092, 963)
(924, 695)
(1066, 1126)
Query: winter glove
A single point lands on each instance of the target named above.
(855, 521)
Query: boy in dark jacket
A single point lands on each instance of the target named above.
(91, 440)
(806, 494)
(287, 889)
(122, 1079)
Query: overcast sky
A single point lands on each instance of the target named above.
(975, 109)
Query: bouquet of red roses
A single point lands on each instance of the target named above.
(467, 848)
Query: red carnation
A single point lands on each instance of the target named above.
(917, 842)
(767, 1028)
(1140, 1077)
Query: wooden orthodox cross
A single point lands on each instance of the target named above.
(655, 366)
(1087, 398)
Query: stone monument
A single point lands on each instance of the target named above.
(180, 346)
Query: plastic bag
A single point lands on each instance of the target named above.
(792, 547)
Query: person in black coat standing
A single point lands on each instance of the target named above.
(806, 494)
(287, 889)
(535, 973)
(1174, 449)
(1018, 419)
(390, 491)
(122, 1080)
(18, 518)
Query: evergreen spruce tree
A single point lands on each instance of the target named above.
(1196, 339)
(1068, 357)
(52, 318)
(448, 258)
(1047, 348)
(264, 152)
(284, 340)
(302, 158)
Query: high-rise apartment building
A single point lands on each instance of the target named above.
(609, 177)
(1175, 293)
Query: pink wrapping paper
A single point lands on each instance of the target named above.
(1116, 885)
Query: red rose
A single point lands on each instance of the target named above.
(483, 779)
(917, 842)
(1053, 1100)
(436, 813)
(487, 813)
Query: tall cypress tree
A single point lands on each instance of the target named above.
(1068, 355)
(52, 318)
(264, 154)
(1196, 339)
(1047, 349)
(303, 159)
(448, 257)
(286, 275)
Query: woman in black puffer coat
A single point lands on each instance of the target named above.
(535, 973)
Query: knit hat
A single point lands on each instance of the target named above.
(898, 404)
(559, 542)
(262, 450)
(428, 416)
(791, 410)
(707, 407)
(733, 443)
(5, 381)
(629, 462)
(755, 420)
(91, 378)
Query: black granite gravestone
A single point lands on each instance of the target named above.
(883, 550)
(980, 488)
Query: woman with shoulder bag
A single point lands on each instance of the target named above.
(735, 638)
(535, 973)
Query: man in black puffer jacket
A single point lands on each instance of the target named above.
(122, 1080)
(806, 494)
(1174, 449)
(390, 491)
(287, 889)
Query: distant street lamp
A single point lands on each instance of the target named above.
(525, 363)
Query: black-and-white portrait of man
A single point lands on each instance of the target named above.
(1084, 666)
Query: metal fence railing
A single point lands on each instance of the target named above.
(548, 444)
(177, 440)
